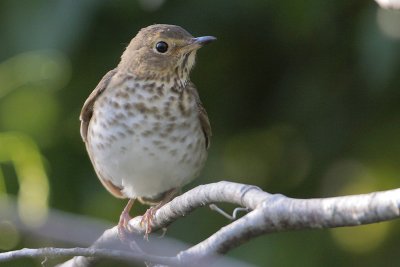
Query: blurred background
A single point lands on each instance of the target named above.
(303, 98)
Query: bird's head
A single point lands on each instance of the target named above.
(162, 50)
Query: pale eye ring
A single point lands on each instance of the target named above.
(162, 47)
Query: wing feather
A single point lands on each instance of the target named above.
(85, 117)
(87, 109)
(203, 117)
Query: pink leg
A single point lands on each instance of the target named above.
(149, 215)
(124, 219)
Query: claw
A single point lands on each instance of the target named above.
(147, 219)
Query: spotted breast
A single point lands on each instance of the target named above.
(146, 137)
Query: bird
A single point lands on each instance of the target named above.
(144, 126)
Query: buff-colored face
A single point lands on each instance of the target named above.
(163, 49)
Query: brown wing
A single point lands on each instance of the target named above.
(86, 115)
(87, 109)
(112, 188)
(204, 121)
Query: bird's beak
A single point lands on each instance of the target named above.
(203, 40)
(196, 43)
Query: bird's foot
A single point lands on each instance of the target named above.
(147, 219)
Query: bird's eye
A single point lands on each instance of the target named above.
(162, 47)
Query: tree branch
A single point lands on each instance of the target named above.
(248, 196)
(279, 213)
(389, 4)
(53, 253)
(269, 213)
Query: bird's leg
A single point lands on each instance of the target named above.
(124, 219)
(148, 216)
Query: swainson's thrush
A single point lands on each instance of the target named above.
(145, 129)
